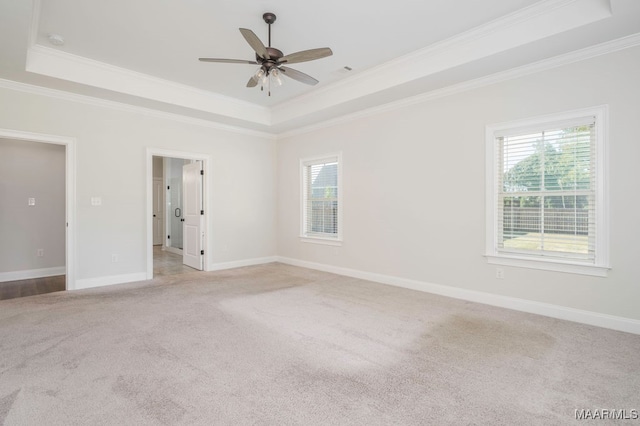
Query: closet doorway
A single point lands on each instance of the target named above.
(38, 213)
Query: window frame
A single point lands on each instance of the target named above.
(305, 235)
(600, 266)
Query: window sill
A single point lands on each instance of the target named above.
(321, 240)
(548, 265)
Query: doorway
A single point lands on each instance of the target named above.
(44, 260)
(177, 225)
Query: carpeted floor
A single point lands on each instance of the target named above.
(276, 344)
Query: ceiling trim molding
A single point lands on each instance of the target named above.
(511, 74)
(55, 63)
(119, 106)
(535, 22)
(35, 21)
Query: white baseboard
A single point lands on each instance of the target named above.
(109, 280)
(241, 263)
(597, 319)
(32, 273)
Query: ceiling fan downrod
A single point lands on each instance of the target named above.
(269, 18)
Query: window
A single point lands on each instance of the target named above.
(546, 202)
(321, 195)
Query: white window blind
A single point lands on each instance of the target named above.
(320, 181)
(546, 191)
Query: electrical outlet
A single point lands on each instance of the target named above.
(500, 273)
(40, 253)
(96, 201)
(31, 201)
(114, 258)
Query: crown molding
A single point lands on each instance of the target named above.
(119, 106)
(55, 63)
(529, 24)
(542, 19)
(511, 74)
(543, 65)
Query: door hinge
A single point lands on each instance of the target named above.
(202, 172)
(201, 251)
(201, 212)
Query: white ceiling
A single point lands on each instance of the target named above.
(144, 52)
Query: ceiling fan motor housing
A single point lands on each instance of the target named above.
(274, 56)
(269, 18)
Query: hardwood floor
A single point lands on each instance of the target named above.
(31, 287)
(164, 263)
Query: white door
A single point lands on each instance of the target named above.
(158, 211)
(192, 236)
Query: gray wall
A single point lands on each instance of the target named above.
(111, 146)
(31, 170)
(414, 187)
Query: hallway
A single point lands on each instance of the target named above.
(164, 263)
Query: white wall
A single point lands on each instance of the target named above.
(414, 193)
(31, 170)
(111, 164)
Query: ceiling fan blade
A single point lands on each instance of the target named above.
(255, 43)
(253, 82)
(306, 55)
(228, 61)
(297, 75)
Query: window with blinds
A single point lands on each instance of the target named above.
(547, 203)
(321, 195)
(546, 199)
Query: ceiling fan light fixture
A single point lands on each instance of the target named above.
(276, 75)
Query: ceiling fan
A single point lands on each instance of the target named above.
(272, 61)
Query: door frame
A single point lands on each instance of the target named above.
(70, 192)
(206, 182)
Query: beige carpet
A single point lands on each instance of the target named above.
(276, 344)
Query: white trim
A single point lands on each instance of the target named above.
(56, 63)
(607, 47)
(70, 191)
(35, 23)
(540, 20)
(321, 240)
(499, 77)
(109, 280)
(240, 263)
(124, 107)
(32, 273)
(548, 265)
(207, 183)
(597, 319)
(601, 266)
